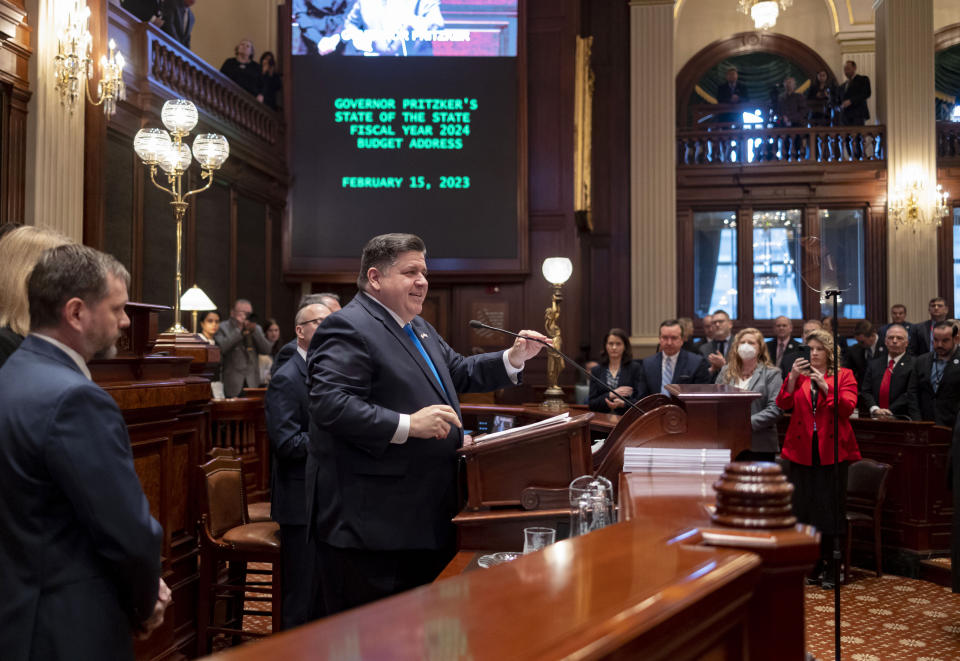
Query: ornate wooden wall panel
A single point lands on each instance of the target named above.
(212, 257)
(119, 199)
(606, 269)
(14, 94)
(251, 264)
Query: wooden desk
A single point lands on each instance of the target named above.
(646, 588)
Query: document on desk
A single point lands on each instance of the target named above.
(546, 422)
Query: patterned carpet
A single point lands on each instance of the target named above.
(886, 619)
(890, 618)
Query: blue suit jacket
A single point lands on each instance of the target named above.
(287, 405)
(79, 551)
(690, 368)
(364, 371)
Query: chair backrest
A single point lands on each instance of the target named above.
(213, 453)
(225, 498)
(867, 483)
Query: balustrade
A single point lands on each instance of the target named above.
(810, 145)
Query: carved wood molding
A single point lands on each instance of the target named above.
(11, 16)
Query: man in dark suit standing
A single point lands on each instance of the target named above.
(715, 351)
(921, 338)
(385, 429)
(289, 350)
(867, 348)
(178, 19)
(732, 91)
(936, 391)
(671, 364)
(885, 387)
(287, 408)
(853, 109)
(853, 94)
(782, 341)
(898, 315)
(79, 551)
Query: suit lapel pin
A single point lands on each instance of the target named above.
(423, 336)
(956, 361)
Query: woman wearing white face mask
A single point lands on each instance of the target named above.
(750, 368)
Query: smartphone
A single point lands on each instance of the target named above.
(804, 352)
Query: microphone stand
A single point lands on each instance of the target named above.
(478, 324)
(837, 483)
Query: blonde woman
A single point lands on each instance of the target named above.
(749, 368)
(19, 251)
(808, 446)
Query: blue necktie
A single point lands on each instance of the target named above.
(408, 329)
(666, 374)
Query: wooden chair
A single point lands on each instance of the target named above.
(227, 536)
(866, 492)
(256, 512)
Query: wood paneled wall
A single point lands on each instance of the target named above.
(14, 95)
(231, 245)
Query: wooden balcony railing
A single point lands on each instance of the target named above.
(948, 141)
(750, 147)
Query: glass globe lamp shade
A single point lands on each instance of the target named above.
(764, 14)
(179, 116)
(176, 159)
(211, 150)
(557, 270)
(151, 145)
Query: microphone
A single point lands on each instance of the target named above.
(570, 361)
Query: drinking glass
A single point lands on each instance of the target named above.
(591, 504)
(535, 539)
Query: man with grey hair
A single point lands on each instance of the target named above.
(385, 429)
(287, 407)
(77, 537)
(288, 350)
(240, 340)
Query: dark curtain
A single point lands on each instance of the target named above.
(947, 78)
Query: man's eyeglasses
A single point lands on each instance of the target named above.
(317, 321)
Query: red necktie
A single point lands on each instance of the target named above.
(884, 401)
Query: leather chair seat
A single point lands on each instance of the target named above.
(263, 535)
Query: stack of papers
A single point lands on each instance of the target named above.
(674, 460)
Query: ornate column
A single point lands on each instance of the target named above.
(54, 186)
(905, 103)
(653, 198)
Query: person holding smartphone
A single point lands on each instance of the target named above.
(808, 394)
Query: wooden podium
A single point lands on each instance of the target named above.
(521, 480)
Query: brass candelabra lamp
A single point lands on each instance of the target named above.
(156, 147)
(557, 271)
(74, 66)
(910, 206)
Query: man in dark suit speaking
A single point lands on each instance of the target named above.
(385, 428)
(79, 551)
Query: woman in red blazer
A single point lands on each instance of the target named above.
(808, 446)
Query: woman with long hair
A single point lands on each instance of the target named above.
(20, 249)
(808, 447)
(750, 368)
(618, 370)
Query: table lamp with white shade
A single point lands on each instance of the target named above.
(195, 301)
(556, 270)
